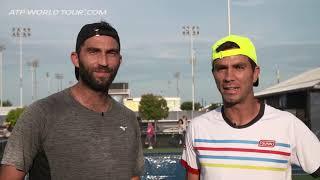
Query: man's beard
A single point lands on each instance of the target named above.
(100, 85)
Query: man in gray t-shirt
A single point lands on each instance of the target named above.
(80, 132)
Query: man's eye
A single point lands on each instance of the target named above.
(113, 53)
(220, 68)
(92, 51)
(240, 67)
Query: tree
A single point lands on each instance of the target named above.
(214, 106)
(187, 106)
(13, 116)
(6, 103)
(153, 107)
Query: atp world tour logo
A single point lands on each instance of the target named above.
(57, 12)
(267, 143)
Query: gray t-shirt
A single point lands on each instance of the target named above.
(57, 138)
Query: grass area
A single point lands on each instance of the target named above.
(163, 150)
(304, 177)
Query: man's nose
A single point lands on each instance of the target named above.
(103, 60)
(229, 75)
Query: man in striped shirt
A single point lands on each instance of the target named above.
(245, 138)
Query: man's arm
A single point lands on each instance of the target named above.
(191, 176)
(23, 144)
(11, 173)
(189, 157)
(306, 147)
(135, 178)
(138, 157)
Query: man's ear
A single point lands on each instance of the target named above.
(120, 59)
(75, 59)
(256, 74)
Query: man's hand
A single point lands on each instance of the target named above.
(191, 176)
(132, 178)
(8, 172)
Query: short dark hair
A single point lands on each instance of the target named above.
(227, 45)
(231, 45)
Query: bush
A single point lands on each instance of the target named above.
(13, 116)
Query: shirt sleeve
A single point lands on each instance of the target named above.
(24, 142)
(306, 148)
(139, 161)
(189, 157)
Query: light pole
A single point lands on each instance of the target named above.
(2, 48)
(277, 74)
(191, 31)
(59, 77)
(33, 65)
(21, 32)
(177, 76)
(48, 82)
(229, 17)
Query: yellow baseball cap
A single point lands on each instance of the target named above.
(246, 48)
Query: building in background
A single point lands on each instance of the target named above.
(173, 103)
(4, 111)
(299, 95)
(119, 91)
